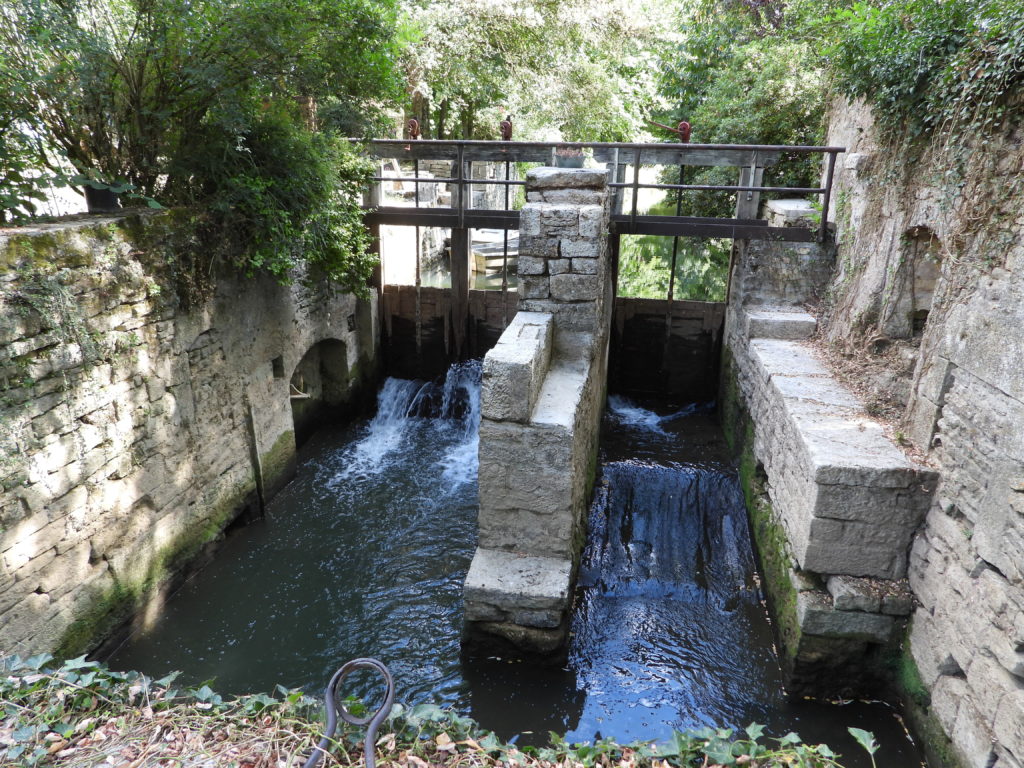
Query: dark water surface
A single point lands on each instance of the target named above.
(364, 554)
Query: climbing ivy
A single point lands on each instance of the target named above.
(927, 66)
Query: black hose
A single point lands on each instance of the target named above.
(371, 722)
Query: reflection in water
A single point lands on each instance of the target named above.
(364, 554)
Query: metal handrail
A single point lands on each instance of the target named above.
(757, 157)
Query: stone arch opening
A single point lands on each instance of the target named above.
(319, 387)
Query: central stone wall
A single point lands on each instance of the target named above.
(132, 430)
(541, 401)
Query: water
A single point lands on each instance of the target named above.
(365, 554)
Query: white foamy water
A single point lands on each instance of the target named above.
(629, 414)
(451, 408)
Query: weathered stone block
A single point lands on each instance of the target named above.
(588, 248)
(537, 246)
(573, 287)
(514, 582)
(817, 617)
(1009, 722)
(767, 323)
(945, 700)
(532, 265)
(592, 222)
(559, 266)
(584, 266)
(532, 287)
(972, 735)
(558, 219)
(514, 369)
(853, 594)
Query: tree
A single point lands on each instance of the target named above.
(119, 85)
(581, 70)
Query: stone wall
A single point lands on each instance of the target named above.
(945, 262)
(834, 502)
(133, 431)
(542, 396)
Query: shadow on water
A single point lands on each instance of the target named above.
(364, 554)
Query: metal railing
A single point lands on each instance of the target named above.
(751, 160)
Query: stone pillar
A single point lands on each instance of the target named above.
(562, 246)
(541, 401)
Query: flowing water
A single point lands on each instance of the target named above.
(365, 554)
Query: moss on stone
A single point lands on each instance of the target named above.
(915, 699)
(277, 461)
(116, 604)
(769, 536)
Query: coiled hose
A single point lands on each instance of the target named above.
(372, 722)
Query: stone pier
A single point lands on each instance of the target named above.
(541, 402)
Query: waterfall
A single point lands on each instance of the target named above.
(451, 407)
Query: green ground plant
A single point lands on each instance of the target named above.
(80, 712)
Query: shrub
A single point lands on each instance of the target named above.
(925, 65)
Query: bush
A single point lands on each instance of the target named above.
(925, 65)
(277, 194)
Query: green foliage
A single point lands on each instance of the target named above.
(119, 85)
(574, 69)
(925, 65)
(212, 105)
(45, 703)
(746, 73)
(277, 195)
(645, 263)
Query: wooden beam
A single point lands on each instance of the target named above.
(460, 256)
(672, 154)
(726, 228)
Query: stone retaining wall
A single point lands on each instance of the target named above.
(132, 431)
(844, 499)
(951, 259)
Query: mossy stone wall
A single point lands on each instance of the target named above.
(135, 422)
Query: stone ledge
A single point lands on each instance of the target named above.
(817, 616)
(792, 212)
(532, 591)
(515, 368)
(850, 498)
(778, 323)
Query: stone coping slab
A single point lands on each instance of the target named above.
(778, 323)
(566, 178)
(515, 368)
(563, 387)
(513, 582)
(850, 498)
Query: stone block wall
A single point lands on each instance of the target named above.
(910, 245)
(541, 402)
(841, 502)
(132, 431)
